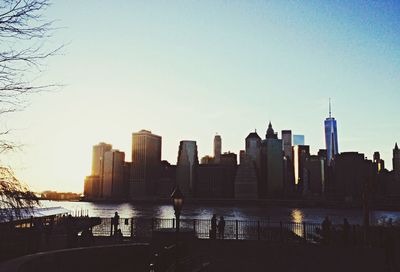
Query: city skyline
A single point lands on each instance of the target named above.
(195, 69)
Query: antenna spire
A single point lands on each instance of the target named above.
(330, 108)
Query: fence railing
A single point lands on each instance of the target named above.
(234, 229)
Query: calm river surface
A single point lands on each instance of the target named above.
(200, 211)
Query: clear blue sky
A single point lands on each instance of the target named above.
(189, 69)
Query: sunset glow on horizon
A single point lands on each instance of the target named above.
(189, 70)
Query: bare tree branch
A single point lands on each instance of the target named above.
(23, 31)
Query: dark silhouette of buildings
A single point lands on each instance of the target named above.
(246, 181)
(114, 180)
(187, 164)
(351, 172)
(217, 148)
(166, 182)
(94, 184)
(396, 163)
(331, 137)
(315, 167)
(270, 168)
(300, 155)
(271, 175)
(146, 163)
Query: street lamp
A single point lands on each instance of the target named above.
(177, 202)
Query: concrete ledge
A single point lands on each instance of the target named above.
(133, 257)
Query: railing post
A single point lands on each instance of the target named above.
(111, 226)
(304, 232)
(258, 230)
(281, 231)
(194, 226)
(173, 223)
(131, 228)
(237, 229)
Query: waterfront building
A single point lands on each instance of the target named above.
(229, 162)
(299, 139)
(253, 144)
(331, 137)
(229, 158)
(186, 167)
(217, 148)
(287, 143)
(98, 163)
(379, 164)
(91, 188)
(114, 183)
(315, 166)
(271, 166)
(246, 180)
(242, 155)
(207, 160)
(214, 181)
(166, 183)
(146, 163)
(300, 155)
(351, 173)
(396, 163)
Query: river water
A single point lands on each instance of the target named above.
(232, 212)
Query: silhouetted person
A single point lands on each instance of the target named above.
(326, 231)
(390, 248)
(115, 223)
(213, 231)
(87, 237)
(346, 231)
(118, 235)
(221, 227)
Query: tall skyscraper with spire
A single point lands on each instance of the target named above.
(396, 163)
(331, 137)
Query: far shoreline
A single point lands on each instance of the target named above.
(287, 203)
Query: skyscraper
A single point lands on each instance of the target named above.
(146, 163)
(217, 148)
(396, 163)
(98, 163)
(253, 143)
(187, 164)
(246, 180)
(114, 175)
(287, 143)
(271, 165)
(331, 137)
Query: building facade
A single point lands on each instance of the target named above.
(186, 167)
(287, 143)
(331, 137)
(271, 182)
(396, 163)
(115, 182)
(146, 163)
(217, 148)
(98, 163)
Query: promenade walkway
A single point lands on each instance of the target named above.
(259, 256)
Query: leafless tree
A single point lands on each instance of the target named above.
(23, 32)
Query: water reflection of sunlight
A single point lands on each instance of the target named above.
(165, 211)
(297, 217)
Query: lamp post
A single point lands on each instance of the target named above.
(177, 201)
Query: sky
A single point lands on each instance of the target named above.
(189, 69)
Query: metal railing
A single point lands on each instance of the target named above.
(234, 229)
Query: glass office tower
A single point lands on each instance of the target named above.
(331, 137)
